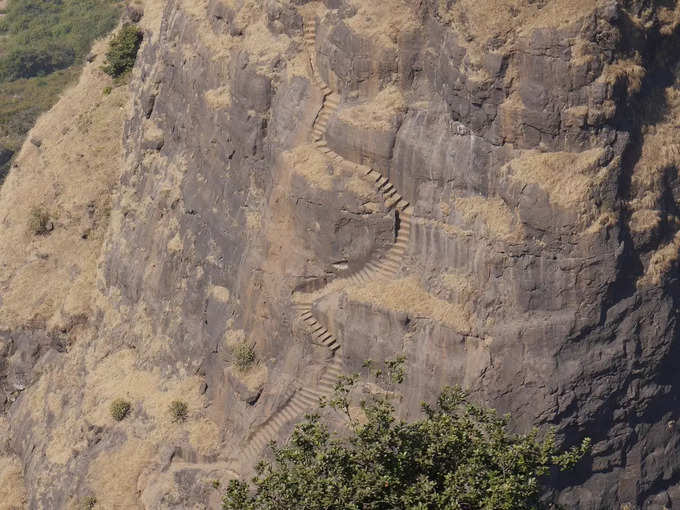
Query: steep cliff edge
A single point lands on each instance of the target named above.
(488, 187)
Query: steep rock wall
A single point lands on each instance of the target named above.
(530, 148)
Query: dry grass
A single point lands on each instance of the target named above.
(219, 98)
(72, 175)
(484, 19)
(380, 113)
(308, 162)
(406, 295)
(628, 70)
(566, 188)
(12, 490)
(382, 22)
(661, 262)
(492, 215)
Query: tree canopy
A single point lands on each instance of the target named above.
(458, 456)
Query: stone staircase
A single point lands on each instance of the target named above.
(386, 266)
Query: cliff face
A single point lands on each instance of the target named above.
(488, 187)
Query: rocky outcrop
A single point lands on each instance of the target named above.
(487, 188)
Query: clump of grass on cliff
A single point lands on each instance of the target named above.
(123, 51)
(39, 221)
(179, 411)
(244, 355)
(119, 409)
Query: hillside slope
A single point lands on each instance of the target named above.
(488, 187)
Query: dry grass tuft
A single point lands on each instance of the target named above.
(380, 113)
(492, 214)
(408, 296)
(567, 189)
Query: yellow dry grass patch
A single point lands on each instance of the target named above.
(380, 113)
(219, 98)
(406, 295)
(628, 69)
(72, 176)
(12, 490)
(310, 163)
(113, 475)
(484, 19)
(565, 176)
(382, 22)
(494, 215)
(660, 262)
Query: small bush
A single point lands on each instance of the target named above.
(123, 51)
(120, 409)
(244, 355)
(87, 503)
(215, 484)
(39, 221)
(179, 410)
(107, 91)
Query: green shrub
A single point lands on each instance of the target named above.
(39, 221)
(215, 484)
(87, 503)
(123, 50)
(119, 409)
(179, 410)
(107, 91)
(244, 355)
(458, 455)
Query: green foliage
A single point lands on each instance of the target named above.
(244, 355)
(40, 40)
(179, 410)
(119, 409)
(42, 36)
(123, 51)
(215, 484)
(107, 90)
(457, 456)
(39, 221)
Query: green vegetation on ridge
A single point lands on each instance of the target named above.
(42, 43)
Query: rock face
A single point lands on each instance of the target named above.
(487, 187)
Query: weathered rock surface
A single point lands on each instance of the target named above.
(529, 151)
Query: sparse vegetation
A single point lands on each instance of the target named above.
(43, 43)
(244, 355)
(179, 410)
(123, 51)
(119, 409)
(39, 221)
(107, 91)
(459, 455)
(87, 503)
(215, 484)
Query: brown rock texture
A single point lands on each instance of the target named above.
(489, 187)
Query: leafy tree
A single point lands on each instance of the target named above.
(458, 456)
(123, 50)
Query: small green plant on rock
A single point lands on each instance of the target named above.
(123, 51)
(244, 355)
(119, 409)
(39, 221)
(107, 91)
(215, 484)
(87, 503)
(179, 410)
